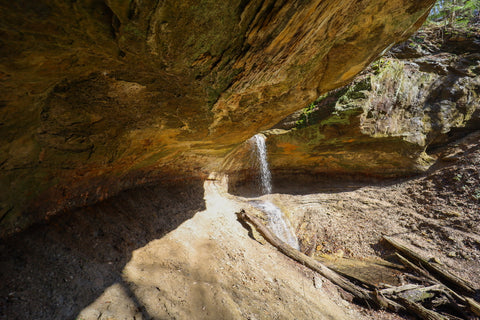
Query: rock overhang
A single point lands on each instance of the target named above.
(98, 96)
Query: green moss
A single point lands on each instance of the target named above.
(342, 116)
(380, 65)
(341, 102)
(307, 116)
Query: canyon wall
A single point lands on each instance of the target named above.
(391, 121)
(99, 96)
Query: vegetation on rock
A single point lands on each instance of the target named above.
(456, 12)
(422, 94)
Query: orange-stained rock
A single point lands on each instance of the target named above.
(98, 96)
(388, 123)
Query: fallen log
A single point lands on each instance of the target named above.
(413, 267)
(396, 290)
(417, 294)
(370, 273)
(403, 298)
(457, 299)
(474, 306)
(420, 311)
(439, 272)
(362, 294)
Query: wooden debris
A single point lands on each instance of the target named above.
(413, 267)
(396, 290)
(445, 276)
(421, 311)
(374, 273)
(442, 289)
(309, 262)
(474, 306)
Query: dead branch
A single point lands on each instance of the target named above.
(420, 311)
(413, 267)
(345, 284)
(395, 290)
(474, 306)
(441, 274)
(402, 298)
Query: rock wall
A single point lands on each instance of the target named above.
(423, 94)
(98, 96)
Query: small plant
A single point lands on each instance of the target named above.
(380, 65)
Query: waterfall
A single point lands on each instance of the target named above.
(261, 151)
(276, 219)
(277, 223)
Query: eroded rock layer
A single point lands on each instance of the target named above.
(98, 96)
(388, 123)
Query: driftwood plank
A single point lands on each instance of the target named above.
(372, 272)
(439, 272)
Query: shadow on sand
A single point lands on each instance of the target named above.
(302, 183)
(55, 269)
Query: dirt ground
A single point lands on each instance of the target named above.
(178, 252)
(157, 253)
(437, 214)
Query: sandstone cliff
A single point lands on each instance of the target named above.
(389, 122)
(98, 96)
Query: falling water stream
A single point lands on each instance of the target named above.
(276, 219)
(261, 152)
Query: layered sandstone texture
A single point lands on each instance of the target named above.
(394, 116)
(98, 96)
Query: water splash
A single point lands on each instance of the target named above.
(261, 151)
(277, 223)
(276, 219)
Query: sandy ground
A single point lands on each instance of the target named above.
(200, 263)
(437, 214)
(178, 252)
(209, 268)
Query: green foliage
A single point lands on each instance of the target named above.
(336, 106)
(455, 12)
(313, 113)
(307, 117)
(380, 65)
